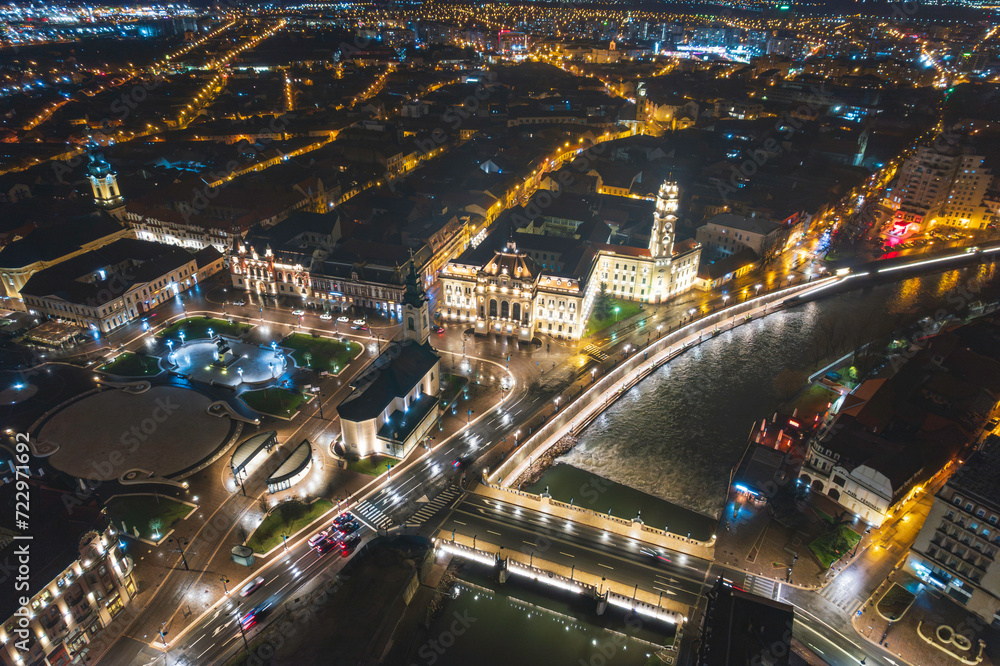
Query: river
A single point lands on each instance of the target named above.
(678, 434)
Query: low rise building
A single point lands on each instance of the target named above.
(106, 288)
(956, 549)
(79, 580)
(727, 233)
(48, 246)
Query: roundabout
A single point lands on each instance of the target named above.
(163, 432)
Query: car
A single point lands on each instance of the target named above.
(325, 546)
(349, 543)
(359, 328)
(343, 320)
(317, 538)
(239, 302)
(298, 312)
(345, 517)
(992, 424)
(437, 329)
(657, 555)
(326, 316)
(252, 616)
(359, 322)
(249, 588)
(348, 527)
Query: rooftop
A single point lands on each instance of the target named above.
(978, 476)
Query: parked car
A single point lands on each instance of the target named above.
(343, 320)
(359, 322)
(249, 588)
(326, 316)
(298, 312)
(239, 302)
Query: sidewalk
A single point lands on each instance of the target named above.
(929, 610)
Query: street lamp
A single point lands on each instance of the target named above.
(757, 287)
(617, 310)
(180, 549)
(224, 586)
(239, 623)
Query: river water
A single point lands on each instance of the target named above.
(678, 434)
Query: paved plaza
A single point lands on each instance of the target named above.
(164, 430)
(252, 364)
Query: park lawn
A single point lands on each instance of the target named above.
(372, 465)
(268, 533)
(275, 401)
(140, 510)
(626, 310)
(196, 328)
(325, 353)
(129, 364)
(895, 602)
(812, 401)
(832, 546)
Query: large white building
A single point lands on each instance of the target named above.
(940, 185)
(506, 291)
(110, 286)
(956, 549)
(395, 403)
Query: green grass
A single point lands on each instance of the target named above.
(196, 328)
(372, 465)
(285, 520)
(276, 401)
(626, 310)
(138, 511)
(811, 401)
(895, 602)
(321, 353)
(129, 364)
(833, 545)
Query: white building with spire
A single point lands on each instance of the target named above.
(505, 291)
(104, 184)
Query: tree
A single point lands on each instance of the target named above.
(602, 304)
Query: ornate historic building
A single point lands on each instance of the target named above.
(505, 291)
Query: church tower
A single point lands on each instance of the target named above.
(661, 239)
(104, 184)
(416, 311)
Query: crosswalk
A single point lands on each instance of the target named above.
(594, 352)
(763, 587)
(443, 498)
(841, 596)
(370, 514)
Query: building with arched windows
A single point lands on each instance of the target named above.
(506, 290)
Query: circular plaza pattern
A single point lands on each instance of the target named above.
(164, 430)
(245, 363)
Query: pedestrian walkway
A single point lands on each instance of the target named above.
(371, 515)
(594, 352)
(841, 596)
(444, 498)
(764, 587)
